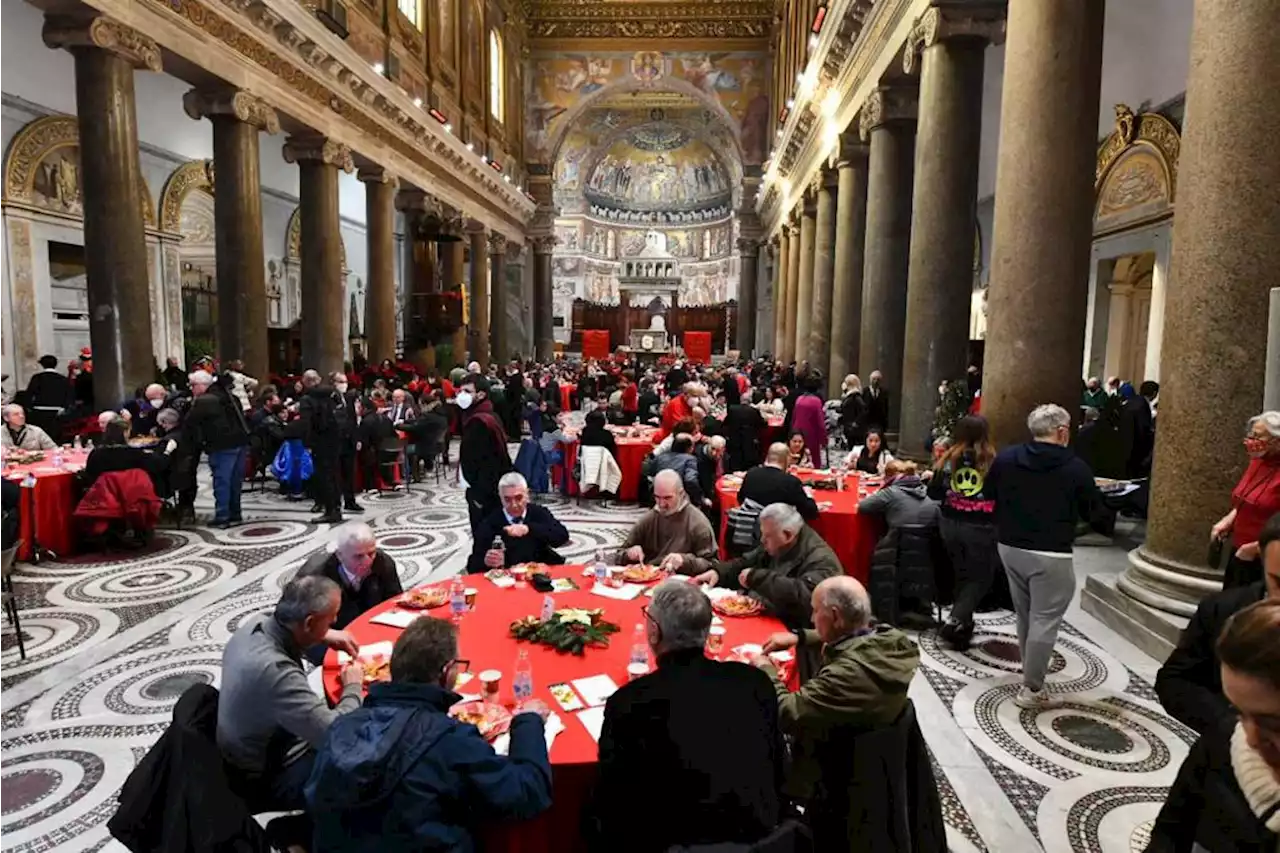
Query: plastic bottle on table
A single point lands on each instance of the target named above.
(457, 598)
(522, 682)
(639, 646)
(75, 443)
(57, 457)
(598, 568)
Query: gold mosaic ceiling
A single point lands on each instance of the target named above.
(702, 20)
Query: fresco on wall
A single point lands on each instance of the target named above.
(705, 284)
(559, 83)
(568, 171)
(658, 166)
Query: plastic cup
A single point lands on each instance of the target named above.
(490, 684)
(715, 640)
(637, 670)
(521, 575)
(614, 578)
(470, 593)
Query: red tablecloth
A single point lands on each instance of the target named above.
(771, 432)
(47, 508)
(566, 404)
(631, 454)
(853, 537)
(484, 640)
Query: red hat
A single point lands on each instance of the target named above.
(85, 352)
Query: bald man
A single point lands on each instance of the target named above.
(674, 534)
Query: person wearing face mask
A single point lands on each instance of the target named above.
(344, 411)
(1254, 500)
(400, 774)
(674, 534)
(482, 454)
(1227, 793)
(365, 575)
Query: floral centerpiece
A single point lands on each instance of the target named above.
(568, 630)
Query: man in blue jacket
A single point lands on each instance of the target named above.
(399, 774)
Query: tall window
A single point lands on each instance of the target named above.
(411, 9)
(497, 69)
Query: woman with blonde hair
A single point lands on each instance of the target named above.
(853, 411)
(968, 522)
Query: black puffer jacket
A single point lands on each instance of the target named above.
(902, 567)
(215, 422)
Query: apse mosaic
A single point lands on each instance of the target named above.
(659, 167)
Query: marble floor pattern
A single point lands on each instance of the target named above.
(112, 642)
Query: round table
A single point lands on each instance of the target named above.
(771, 432)
(47, 508)
(852, 536)
(485, 641)
(631, 454)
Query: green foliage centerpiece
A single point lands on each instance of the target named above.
(568, 630)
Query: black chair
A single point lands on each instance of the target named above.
(8, 558)
(392, 456)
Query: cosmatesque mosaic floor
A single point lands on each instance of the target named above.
(113, 641)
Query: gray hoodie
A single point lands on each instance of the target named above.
(904, 502)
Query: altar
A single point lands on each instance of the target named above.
(651, 279)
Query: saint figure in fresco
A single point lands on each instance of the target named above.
(646, 66)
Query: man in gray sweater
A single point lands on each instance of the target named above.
(269, 719)
(674, 534)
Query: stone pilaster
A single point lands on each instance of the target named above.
(543, 333)
(238, 117)
(499, 339)
(323, 291)
(851, 231)
(947, 46)
(1044, 211)
(106, 53)
(380, 312)
(479, 296)
(888, 123)
(804, 291)
(1226, 249)
(748, 298)
(824, 241)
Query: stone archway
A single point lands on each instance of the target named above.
(1136, 176)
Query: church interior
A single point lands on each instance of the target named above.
(1043, 191)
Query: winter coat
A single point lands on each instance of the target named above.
(785, 583)
(903, 563)
(532, 463)
(686, 465)
(741, 430)
(125, 496)
(599, 470)
(809, 419)
(215, 422)
(401, 776)
(1040, 490)
(546, 533)
(381, 583)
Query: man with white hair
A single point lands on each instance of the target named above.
(528, 533)
(674, 534)
(1041, 489)
(703, 732)
(861, 685)
(790, 562)
(365, 575)
(216, 425)
(143, 411)
(20, 434)
(876, 397)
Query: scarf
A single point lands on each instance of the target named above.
(1256, 779)
(483, 410)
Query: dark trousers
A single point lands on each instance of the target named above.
(280, 791)
(480, 505)
(369, 466)
(972, 551)
(1241, 572)
(327, 483)
(347, 474)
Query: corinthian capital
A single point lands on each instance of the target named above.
(237, 103)
(98, 31)
(544, 244)
(981, 20)
(314, 148)
(377, 175)
(497, 243)
(885, 105)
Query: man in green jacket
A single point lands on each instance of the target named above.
(861, 684)
(784, 571)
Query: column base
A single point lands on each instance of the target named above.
(1153, 631)
(1165, 584)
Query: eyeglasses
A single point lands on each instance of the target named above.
(644, 610)
(462, 665)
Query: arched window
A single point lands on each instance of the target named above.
(411, 9)
(497, 70)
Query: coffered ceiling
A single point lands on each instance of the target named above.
(745, 23)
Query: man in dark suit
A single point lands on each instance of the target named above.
(1190, 682)
(529, 532)
(366, 576)
(49, 388)
(702, 733)
(1138, 430)
(771, 483)
(876, 396)
(514, 408)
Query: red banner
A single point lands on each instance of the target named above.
(595, 344)
(697, 347)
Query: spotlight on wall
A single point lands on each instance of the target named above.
(379, 68)
(438, 116)
(448, 128)
(471, 146)
(495, 165)
(819, 17)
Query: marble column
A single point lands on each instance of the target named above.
(888, 123)
(453, 253)
(780, 293)
(851, 231)
(1043, 224)
(824, 241)
(480, 296)
(499, 340)
(323, 293)
(380, 216)
(237, 119)
(947, 45)
(769, 337)
(748, 266)
(106, 53)
(543, 332)
(1226, 249)
(793, 287)
(804, 290)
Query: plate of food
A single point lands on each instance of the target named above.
(532, 568)
(736, 605)
(424, 598)
(376, 669)
(490, 718)
(641, 573)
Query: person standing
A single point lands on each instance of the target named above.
(318, 427)
(1138, 430)
(216, 425)
(1040, 490)
(344, 410)
(1255, 499)
(876, 397)
(482, 454)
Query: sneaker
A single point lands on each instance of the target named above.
(327, 519)
(956, 635)
(1034, 700)
(353, 507)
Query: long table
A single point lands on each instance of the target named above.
(484, 640)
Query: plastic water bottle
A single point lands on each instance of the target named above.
(639, 646)
(457, 598)
(57, 458)
(76, 443)
(522, 682)
(598, 568)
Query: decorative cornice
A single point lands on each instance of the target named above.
(887, 105)
(593, 19)
(947, 20)
(93, 30)
(314, 148)
(237, 103)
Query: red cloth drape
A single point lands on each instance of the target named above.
(595, 344)
(697, 347)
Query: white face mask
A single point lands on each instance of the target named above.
(342, 387)
(157, 403)
(464, 399)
